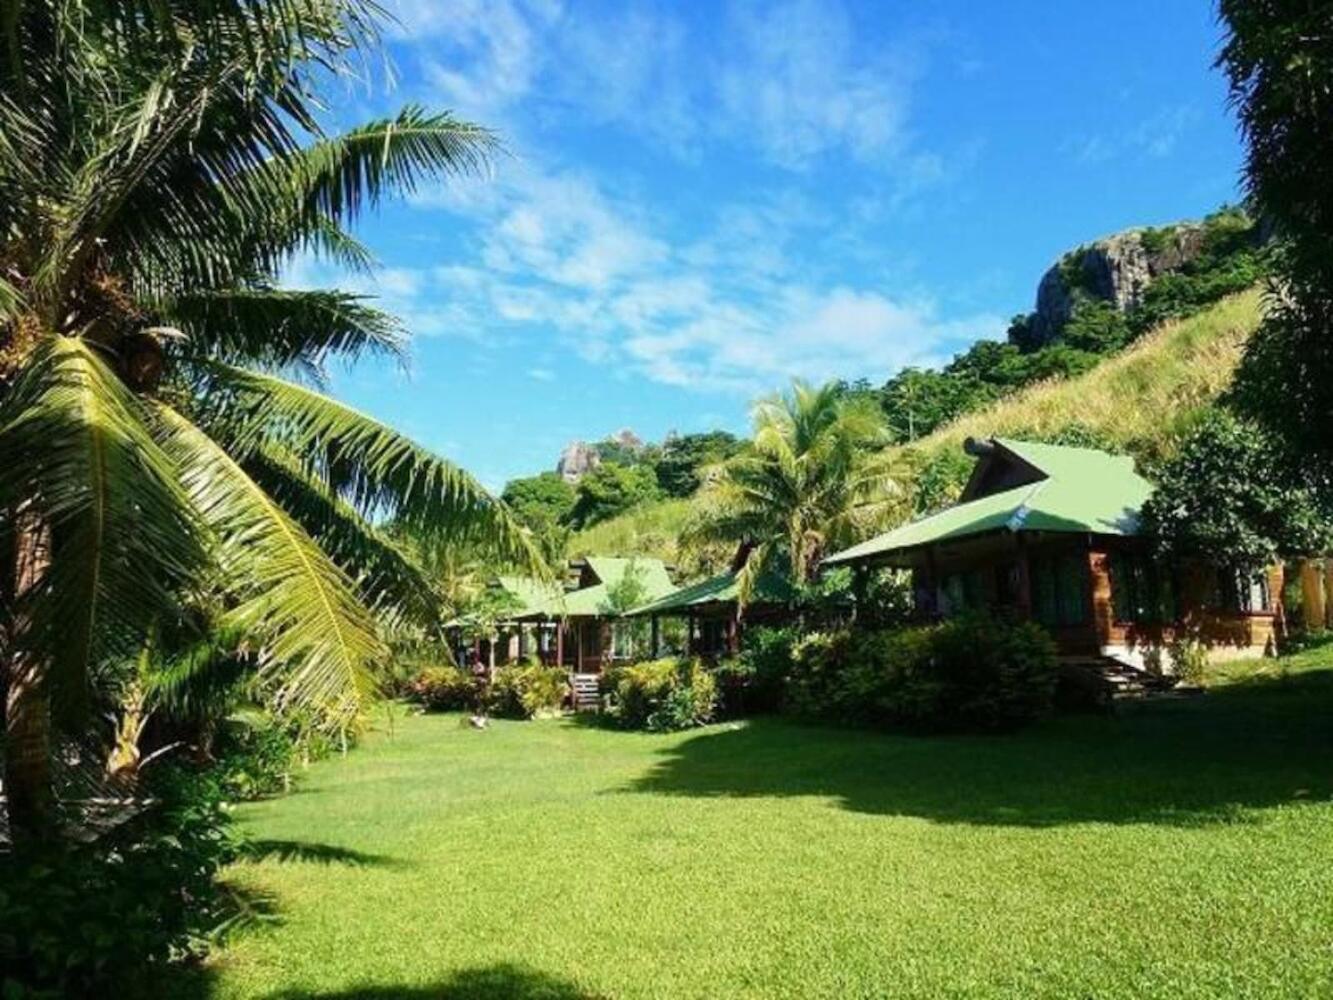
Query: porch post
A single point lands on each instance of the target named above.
(860, 587)
(931, 585)
(733, 634)
(1024, 578)
(657, 637)
(559, 643)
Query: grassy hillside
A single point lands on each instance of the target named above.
(650, 529)
(1136, 399)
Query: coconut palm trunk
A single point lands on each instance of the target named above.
(30, 799)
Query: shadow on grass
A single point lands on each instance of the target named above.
(307, 851)
(1189, 762)
(491, 982)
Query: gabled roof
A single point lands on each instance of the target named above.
(1080, 490)
(531, 596)
(595, 601)
(770, 588)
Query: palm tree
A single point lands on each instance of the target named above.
(159, 436)
(814, 476)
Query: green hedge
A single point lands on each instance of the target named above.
(527, 691)
(444, 689)
(661, 695)
(975, 672)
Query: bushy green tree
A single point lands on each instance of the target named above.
(611, 489)
(683, 458)
(1278, 57)
(1220, 497)
(542, 503)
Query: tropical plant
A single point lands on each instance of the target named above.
(611, 489)
(814, 477)
(159, 163)
(1278, 58)
(1222, 497)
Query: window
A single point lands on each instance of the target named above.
(1141, 590)
(1242, 592)
(962, 591)
(1059, 589)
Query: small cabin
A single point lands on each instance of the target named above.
(1051, 534)
(580, 625)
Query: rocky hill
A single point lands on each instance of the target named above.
(1134, 270)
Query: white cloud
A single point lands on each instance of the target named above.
(731, 310)
(788, 80)
(1156, 136)
(795, 85)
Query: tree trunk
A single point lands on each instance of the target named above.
(30, 800)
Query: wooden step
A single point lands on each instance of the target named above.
(587, 692)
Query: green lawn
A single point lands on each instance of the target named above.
(1180, 848)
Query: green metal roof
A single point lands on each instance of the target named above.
(770, 588)
(533, 597)
(594, 601)
(1084, 491)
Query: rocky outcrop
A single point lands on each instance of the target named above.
(578, 458)
(1117, 269)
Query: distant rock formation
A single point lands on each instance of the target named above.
(578, 458)
(627, 439)
(1117, 269)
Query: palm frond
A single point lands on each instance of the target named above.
(280, 327)
(339, 176)
(320, 643)
(388, 579)
(381, 472)
(77, 456)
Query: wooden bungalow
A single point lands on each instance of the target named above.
(577, 627)
(712, 612)
(1052, 534)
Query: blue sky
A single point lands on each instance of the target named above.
(703, 200)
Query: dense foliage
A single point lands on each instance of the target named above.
(95, 919)
(150, 431)
(917, 401)
(974, 672)
(542, 504)
(444, 689)
(1278, 57)
(812, 480)
(611, 489)
(661, 695)
(1224, 498)
(527, 691)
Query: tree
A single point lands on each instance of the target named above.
(542, 503)
(917, 400)
(611, 489)
(1220, 498)
(1278, 57)
(813, 478)
(683, 458)
(158, 165)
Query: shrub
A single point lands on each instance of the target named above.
(661, 695)
(1189, 659)
(444, 689)
(973, 672)
(256, 754)
(528, 691)
(92, 919)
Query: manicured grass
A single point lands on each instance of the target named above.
(1178, 849)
